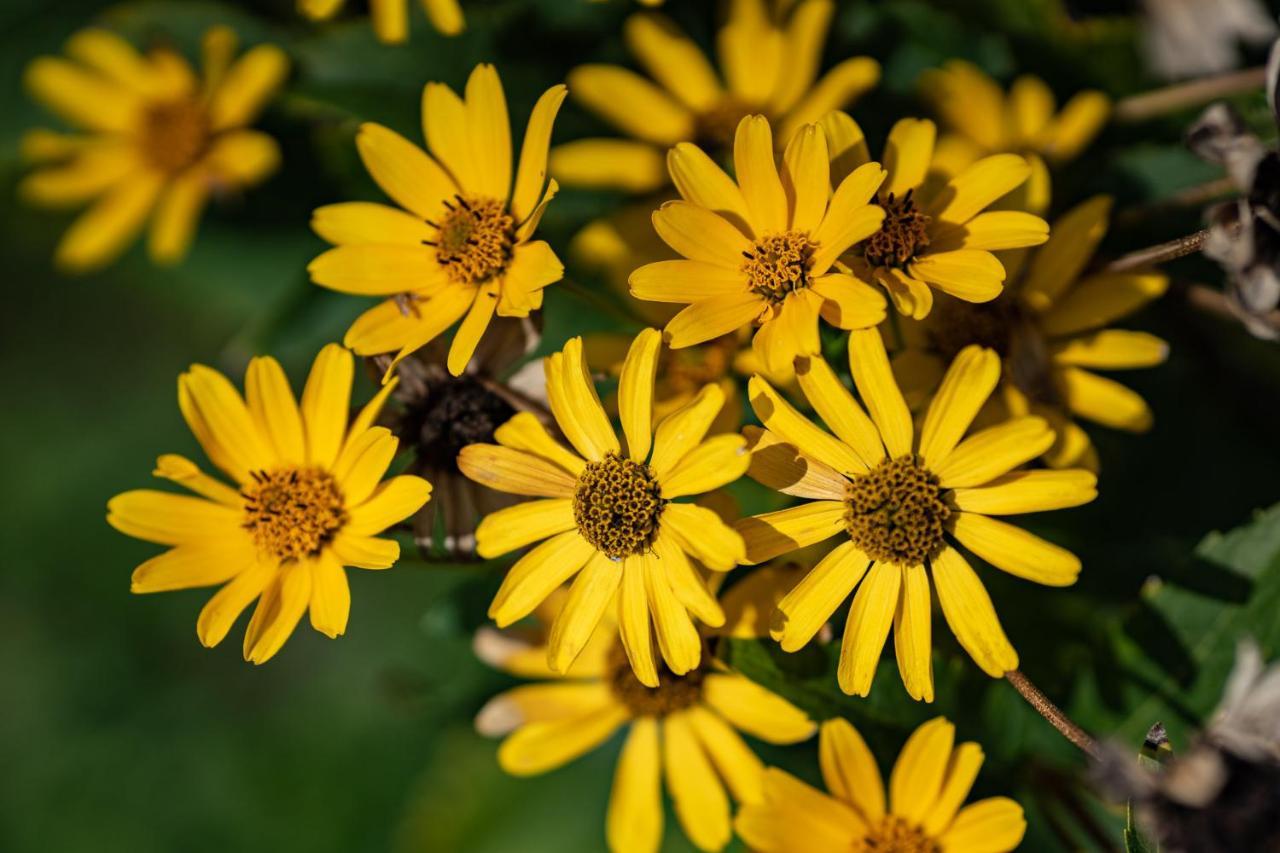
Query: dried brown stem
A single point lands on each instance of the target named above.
(1160, 253)
(1052, 713)
(1136, 108)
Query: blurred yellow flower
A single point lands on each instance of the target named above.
(899, 498)
(922, 810)
(460, 248)
(1047, 327)
(760, 250)
(769, 54)
(306, 501)
(157, 139)
(934, 235)
(980, 120)
(609, 518)
(686, 729)
(391, 17)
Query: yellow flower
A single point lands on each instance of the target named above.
(760, 250)
(1048, 329)
(460, 248)
(934, 236)
(157, 140)
(983, 120)
(391, 17)
(769, 55)
(898, 499)
(306, 501)
(922, 812)
(686, 729)
(608, 517)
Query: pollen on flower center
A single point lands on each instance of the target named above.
(617, 504)
(292, 512)
(895, 513)
(474, 240)
(174, 133)
(902, 235)
(894, 835)
(778, 265)
(673, 693)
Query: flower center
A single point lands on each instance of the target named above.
(1004, 326)
(617, 505)
(895, 835)
(904, 232)
(895, 512)
(292, 512)
(474, 240)
(452, 414)
(673, 693)
(778, 265)
(715, 128)
(174, 133)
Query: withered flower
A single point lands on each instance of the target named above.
(435, 415)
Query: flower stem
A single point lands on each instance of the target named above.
(1052, 713)
(1158, 254)
(1137, 108)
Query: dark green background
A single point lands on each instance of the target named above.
(119, 732)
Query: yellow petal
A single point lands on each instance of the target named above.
(1058, 263)
(758, 176)
(918, 773)
(712, 318)
(700, 801)
(593, 590)
(535, 703)
(782, 419)
(1104, 401)
(404, 171)
(193, 565)
(678, 639)
(1079, 122)
(846, 144)
(371, 269)
(633, 622)
(700, 532)
(633, 823)
(525, 432)
(394, 500)
(838, 410)
(804, 38)
(912, 297)
(968, 274)
(849, 216)
(968, 610)
(848, 302)
(869, 364)
(964, 389)
(716, 462)
(184, 472)
(685, 281)
(700, 181)
(755, 710)
(776, 533)
(547, 744)
(806, 178)
(247, 87)
(1113, 349)
(795, 812)
(83, 98)
(912, 629)
(907, 154)
(1097, 300)
(837, 89)
(995, 823)
(445, 16)
(777, 464)
(806, 608)
(1016, 551)
(513, 527)
(849, 769)
(970, 192)
(635, 393)
(987, 454)
(741, 770)
(514, 471)
(242, 158)
(368, 222)
(489, 132)
(622, 164)
(226, 605)
(365, 552)
(537, 574)
(534, 267)
(992, 231)
(274, 409)
(867, 628)
(1030, 107)
(532, 174)
(102, 233)
(700, 235)
(330, 603)
(390, 20)
(683, 429)
(169, 519)
(223, 414)
(278, 612)
(962, 770)
(673, 59)
(968, 100)
(326, 403)
(631, 103)
(1029, 491)
(687, 582)
(88, 175)
(575, 403)
(176, 216)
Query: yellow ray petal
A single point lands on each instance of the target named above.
(575, 403)
(782, 419)
(404, 171)
(869, 364)
(907, 154)
(968, 193)
(1029, 491)
(701, 181)
(622, 164)
(995, 823)
(912, 630)
(755, 710)
(968, 610)
(777, 463)
(918, 773)
(806, 608)
(515, 471)
(700, 802)
(1058, 264)
(838, 410)
(849, 769)
(547, 744)
(867, 628)
(537, 574)
(634, 819)
(1105, 401)
(1016, 551)
(673, 59)
(635, 393)
(996, 450)
(593, 590)
(248, 85)
(776, 533)
(701, 235)
(631, 103)
(330, 603)
(532, 174)
(964, 389)
(758, 175)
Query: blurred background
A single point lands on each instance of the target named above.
(120, 732)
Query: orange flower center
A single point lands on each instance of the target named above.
(293, 512)
(175, 133)
(673, 693)
(779, 264)
(475, 240)
(904, 232)
(617, 504)
(895, 835)
(895, 513)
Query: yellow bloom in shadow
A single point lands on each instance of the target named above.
(458, 247)
(761, 250)
(687, 730)
(610, 517)
(307, 501)
(936, 235)
(922, 811)
(898, 499)
(769, 55)
(391, 17)
(1049, 329)
(157, 140)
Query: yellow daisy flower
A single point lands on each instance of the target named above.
(922, 811)
(983, 120)
(391, 17)
(686, 729)
(157, 140)
(459, 247)
(608, 517)
(760, 250)
(306, 501)
(899, 499)
(1048, 327)
(934, 236)
(769, 54)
